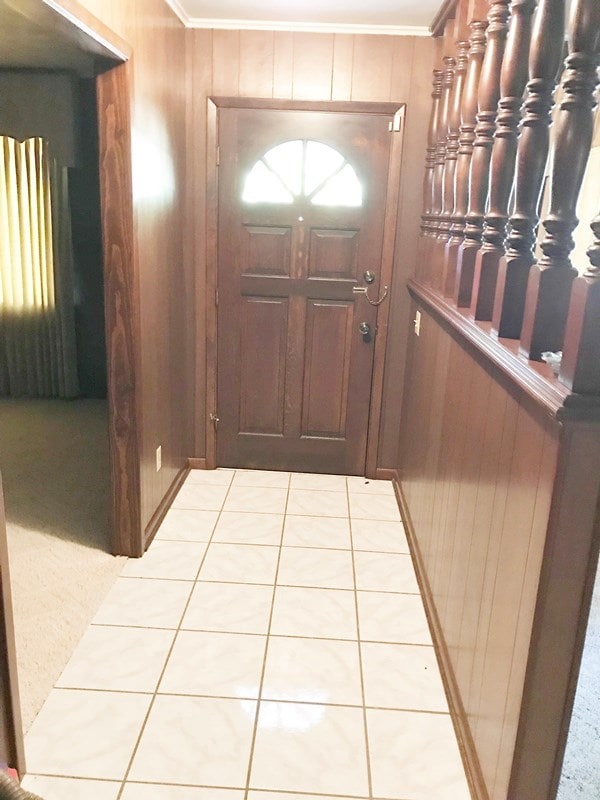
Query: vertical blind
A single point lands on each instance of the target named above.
(37, 330)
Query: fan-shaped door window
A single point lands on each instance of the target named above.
(303, 169)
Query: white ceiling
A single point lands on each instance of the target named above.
(358, 16)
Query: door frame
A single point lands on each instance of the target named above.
(394, 110)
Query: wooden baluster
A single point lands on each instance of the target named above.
(549, 285)
(532, 154)
(488, 97)
(440, 159)
(452, 146)
(434, 121)
(580, 368)
(465, 151)
(513, 79)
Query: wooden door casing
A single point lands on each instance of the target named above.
(294, 373)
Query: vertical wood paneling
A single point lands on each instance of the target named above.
(256, 63)
(283, 64)
(343, 57)
(226, 63)
(313, 66)
(372, 68)
(405, 68)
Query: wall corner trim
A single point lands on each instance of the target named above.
(158, 516)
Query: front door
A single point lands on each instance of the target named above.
(301, 215)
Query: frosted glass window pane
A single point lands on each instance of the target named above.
(262, 186)
(342, 189)
(286, 161)
(321, 162)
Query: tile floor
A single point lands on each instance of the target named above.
(271, 644)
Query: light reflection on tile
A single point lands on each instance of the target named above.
(181, 524)
(219, 664)
(310, 748)
(331, 532)
(203, 741)
(386, 572)
(239, 527)
(415, 755)
(71, 788)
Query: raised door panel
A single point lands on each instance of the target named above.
(333, 254)
(263, 335)
(265, 250)
(327, 368)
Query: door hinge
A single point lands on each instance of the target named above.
(214, 419)
(217, 296)
(218, 156)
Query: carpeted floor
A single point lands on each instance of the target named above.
(54, 463)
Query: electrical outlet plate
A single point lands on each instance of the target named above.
(158, 458)
(418, 323)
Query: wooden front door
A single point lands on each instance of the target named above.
(301, 216)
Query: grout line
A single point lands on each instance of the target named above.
(264, 667)
(155, 694)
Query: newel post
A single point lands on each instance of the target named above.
(488, 97)
(549, 285)
(513, 79)
(545, 62)
(468, 119)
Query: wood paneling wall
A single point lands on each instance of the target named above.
(159, 108)
(500, 495)
(299, 66)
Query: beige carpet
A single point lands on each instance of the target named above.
(54, 463)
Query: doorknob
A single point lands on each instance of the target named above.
(365, 331)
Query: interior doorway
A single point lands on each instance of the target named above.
(306, 205)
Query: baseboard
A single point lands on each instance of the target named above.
(158, 516)
(197, 463)
(384, 474)
(457, 711)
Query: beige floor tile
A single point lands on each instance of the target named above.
(181, 524)
(312, 671)
(373, 506)
(295, 796)
(201, 496)
(307, 566)
(144, 602)
(261, 500)
(262, 478)
(240, 563)
(310, 748)
(415, 756)
(403, 677)
(167, 560)
(230, 607)
(312, 503)
(359, 485)
(331, 532)
(145, 791)
(318, 482)
(237, 527)
(396, 618)
(385, 572)
(203, 741)
(218, 664)
(71, 788)
(118, 659)
(85, 734)
(210, 477)
(380, 536)
(320, 613)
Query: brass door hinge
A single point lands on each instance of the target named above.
(214, 419)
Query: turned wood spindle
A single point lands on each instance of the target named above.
(431, 146)
(580, 367)
(468, 119)
(532, 155)
(488, 97)
(452, 145)
(513, 80)
(442, 138)
(550, 280)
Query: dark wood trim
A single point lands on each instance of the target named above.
(445, 12)
(386, 474)
(532, 382)
(122, 306)
(390, 225)
(457, 711)
(12, 751)
(158, 516)
(197, 463)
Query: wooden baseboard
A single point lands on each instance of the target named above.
(457, 711)
(197, 463)
(384, 474)
(158, 516)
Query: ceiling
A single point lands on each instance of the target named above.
(352, 16)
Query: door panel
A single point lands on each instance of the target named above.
(294, 371)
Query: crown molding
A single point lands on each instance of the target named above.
(300, 27)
